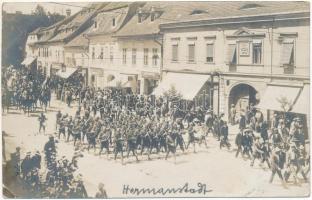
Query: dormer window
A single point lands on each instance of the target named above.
(250, 6)
(114, 22)
(198, 12)
(152, 16)
(139, 18)
(140, 15)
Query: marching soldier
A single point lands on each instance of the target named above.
(118, 144)
(224, 134)
(292, 164)
(191, 138)
(104, 140)
(62, 126)
(171, 147)
(277, 164)
(42, 122)
(58, 118)
(131, 144)
(239, 143)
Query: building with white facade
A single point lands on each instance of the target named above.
(104, 55)
(258, 53)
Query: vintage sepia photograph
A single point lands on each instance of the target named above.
(155, 99)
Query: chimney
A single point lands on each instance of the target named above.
(68, 12)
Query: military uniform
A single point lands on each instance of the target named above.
(104, 140)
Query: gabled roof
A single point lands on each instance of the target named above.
(120, 11)
(146, 26)
(69, 29)
(79, 41)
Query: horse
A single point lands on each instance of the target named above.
(45, 98)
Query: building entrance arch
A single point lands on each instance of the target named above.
(241, 96)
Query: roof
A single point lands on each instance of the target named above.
(69, 27)
(147, 27)
(79, 41)
(121, 11)
(175, 12)
(233, 9)
(36, 31)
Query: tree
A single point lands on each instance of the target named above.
(172, 94)
(285, 104)
(40, 11)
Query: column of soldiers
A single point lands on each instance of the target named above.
(24, 89)
(132, 125)
(282, 146)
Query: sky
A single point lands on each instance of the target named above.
(28, 7)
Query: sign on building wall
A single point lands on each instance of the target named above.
(244, 48)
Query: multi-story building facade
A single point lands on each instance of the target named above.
(47, 44)
(256, 52)
(77, 54)
(67, 32)
(104, 56)
(140, 46)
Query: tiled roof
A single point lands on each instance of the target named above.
(79, 41)
(118, 10)
(80, 18)
(67, 29)
(173, 12)
(232, 9)
(146, 27)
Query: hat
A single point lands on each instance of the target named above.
(293, 145)
(277, 148)
(247, 130)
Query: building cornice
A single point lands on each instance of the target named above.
(281, 76)
(237, 20)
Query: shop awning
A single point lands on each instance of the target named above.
(127, 85)
(278, 98)
(188, 85)
(66, 73)
(302, 105)
(28, 60)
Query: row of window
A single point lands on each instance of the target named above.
(256, 51)
(155, 56)
(145, 56)
(45, 52)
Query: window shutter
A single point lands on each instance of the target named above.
(209, 50)
(175, 52)
(231, 52)
(286, 53)
(191, 52)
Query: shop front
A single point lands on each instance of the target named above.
(149, 82)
